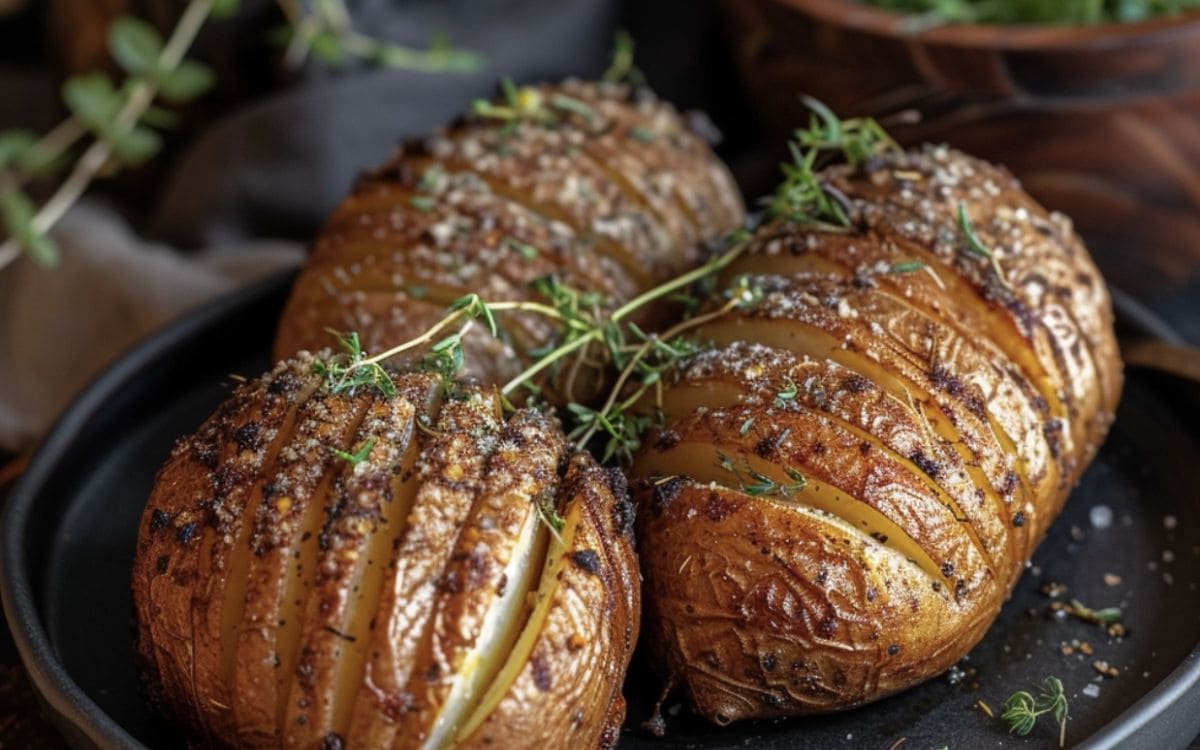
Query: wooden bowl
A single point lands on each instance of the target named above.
(1100, 122)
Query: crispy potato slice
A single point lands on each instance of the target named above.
(449, 475)
(332, 570)
(1057, 298)
(658, 152)
(481, 604)
(767, 378)
(191, 520)
(943, 294)
(579, 636)
(271, 580)
(965, 427)
(604, 188)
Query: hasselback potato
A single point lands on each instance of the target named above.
(849, 482)
(335, 567)
(601, 185)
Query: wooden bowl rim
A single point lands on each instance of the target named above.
(858, 16)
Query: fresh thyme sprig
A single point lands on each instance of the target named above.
(858, 139)
(117, 119)
(757, 484)
(804, 197)
(589, 335)
(976, 247)
(359, 455)
(529, 104)
(352, 368)
(622, 68)
(123, 120)
(324, 29)
(1022, 709)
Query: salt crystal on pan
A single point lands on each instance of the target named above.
(1170, 522)
(1101, 516)
(1092, 690)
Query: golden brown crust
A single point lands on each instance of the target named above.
(598, 576)
(781, 610)
(902, 414)
(318, 568)
(612, 196)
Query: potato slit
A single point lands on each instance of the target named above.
(910, 395)
(499, 633)
(593, 152)
(827, 260)
(232, 595)
(716, 395)
(607, 246)
(301, 571)
(702, 463)
(553, 558)
(276, 527)
(362, 612)
(201, 637)
(417, 560)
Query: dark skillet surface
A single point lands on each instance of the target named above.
(66, 569)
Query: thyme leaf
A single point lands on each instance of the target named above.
(359, 455)
(1022, 709)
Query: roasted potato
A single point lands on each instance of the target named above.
(851, 478)
(600, 185)
(346, 569)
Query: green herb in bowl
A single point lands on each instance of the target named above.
(1039, 11)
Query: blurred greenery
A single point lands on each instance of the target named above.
(1039, 11)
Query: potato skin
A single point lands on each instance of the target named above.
(601, 567)
(618, 194)
(893, 366)
(268, 567)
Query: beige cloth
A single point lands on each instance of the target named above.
(59, 328)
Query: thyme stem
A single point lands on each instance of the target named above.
(141, 95)
(610, 404)
(450, 319)
(679, 282)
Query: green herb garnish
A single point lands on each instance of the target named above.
(359, 455)
(1022, 709)
(787, 393)
(757, 484)
(524, 249)
(1037, 11)
(976, 247)
(350, 369)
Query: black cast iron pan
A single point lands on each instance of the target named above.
(70, 525)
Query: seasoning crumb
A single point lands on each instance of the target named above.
(1054, 589)
(1101, 516)
(1105, 668)
(1170, 522)
(1112, 579)
(983, 706)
